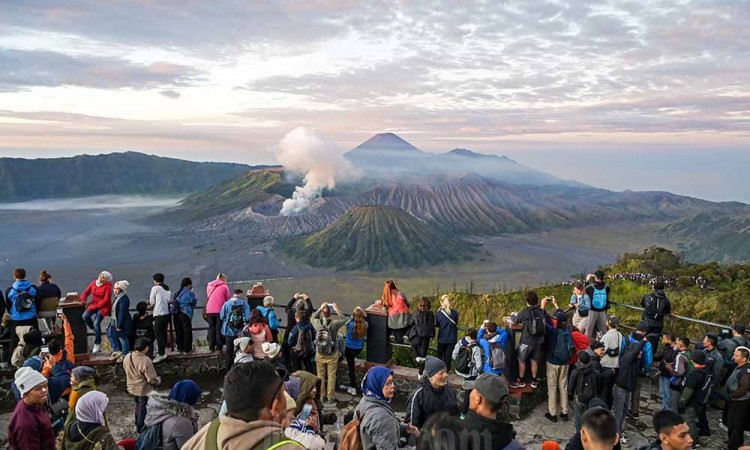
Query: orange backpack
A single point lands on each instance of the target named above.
(350, 437)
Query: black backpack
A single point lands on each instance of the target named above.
(237, 317)
(535, 323)
(150, 438)
(24, 300)
(703, 396)
(587, 385)
(464, 361)
(654, 307)
(304, 346)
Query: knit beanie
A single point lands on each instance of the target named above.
(27, 379)
(83, 373)
(122, 285)
(433, 365)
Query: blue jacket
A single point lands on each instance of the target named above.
(122, 314)
(187, 302)
(583, 304)
(294, 334)
(21, 285)
(447, 330)
(226, 311)
(352, 342)
(647, 354)
(270, 314)
(502, 338)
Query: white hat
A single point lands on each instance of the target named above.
(271, 349)
(122, 285)
(242, 343)
(27, 379)
(290, 403)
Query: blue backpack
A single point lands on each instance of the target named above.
(599, 300)
(564, 346)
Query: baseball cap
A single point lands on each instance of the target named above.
(490, 386)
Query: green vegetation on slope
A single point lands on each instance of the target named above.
(377, 238)
(705, 237)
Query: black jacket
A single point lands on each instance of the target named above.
(424, 323)
(426, 401)
(605, 374)
(627, 376)
(665, 356)
(659, 302)
(502, 433)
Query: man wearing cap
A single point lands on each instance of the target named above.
(598, 292)
(486, 430)
(737, 412)
(30, 427)
(691, 397)
(432, 394)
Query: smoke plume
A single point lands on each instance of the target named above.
(303, 150)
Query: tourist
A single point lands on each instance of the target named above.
(488, 430)
(582, 304)
(672, 432)
(598, 430)
(399, 316)
(174, 413)
(217, 293)
(560, 349)
(256, 407)
(259, 333)
(21, 302)
(379, 428)
(493, 340)
(693, 393)
(29, 427)
(89, 430)
(626, 382)
(678, 371)
(606, 420)
(57, 367)
(141, 378)
(421, 332)
(664, 359)
(121, 324)
(158, 302)
(606, 374)
(645, 359)
(532, 339)
(614, 344)
(184, 302)
(728, 346)
(580, 343)
(467, 358)
(143, 325)
(100, 306)
(291, 310)
(302, 343)
(47, 297)
(443, 431)
(81, 382)
(656, 306)
(234, 315)
(29, 345)
(243, 347)
(598, 292)
(431, 395)
(327, 321)
(447, 321)
(270, 315)
(272, 351)
(583, 386)
(308, 400)
(356, 333)
(714, 367)
(737, 412)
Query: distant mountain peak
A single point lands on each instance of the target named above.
(387, 141)
(471, 154)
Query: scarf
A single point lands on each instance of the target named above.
(186, 391)
(372, 385)
(90, 407)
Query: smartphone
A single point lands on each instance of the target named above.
(45, 350)
(305, 413)
(59, 311)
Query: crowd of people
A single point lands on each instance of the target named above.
(277, 388)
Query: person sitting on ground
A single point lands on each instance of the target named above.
(327, 321)
(432, 395)
(256, 406)
(100, 307)
(143, 325)
(532, 339)
(235, 314)
(29, 427)
(422, 332)
(259, 333)
(174, 413)
(89, 430)
(488, 429)
(356, 333)
(399, 315)
(306, 418)
(576, 443)
(309, 397)
(270, 315)
(295, 428)
(120, 324)
(81, 382)
(141, 378)
(379, 427)
(672, 432)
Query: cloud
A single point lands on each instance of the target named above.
(170, 94)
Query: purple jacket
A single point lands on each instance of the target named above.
(30, 429)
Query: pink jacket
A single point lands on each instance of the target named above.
(217, 293)
(255, 331)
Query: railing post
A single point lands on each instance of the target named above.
(379, 350)
(74, 313)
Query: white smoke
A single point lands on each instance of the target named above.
(303, 150)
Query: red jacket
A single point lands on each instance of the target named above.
(30, 429)
(101, 297)
(580, 342)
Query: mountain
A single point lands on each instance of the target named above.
(377, 238)
(709, 237)
(115, 173)
(388, 156)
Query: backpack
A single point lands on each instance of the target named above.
(564, 346)
(654, 307)
(150, 438)
(599, 299)
(304, 346)
(704, 395)
(587, 386)
(535, 323)
(497, 356)
(24, 300)
(464, 361)
(236, 318)
(350, 437)
(174, 304)
(324, 343)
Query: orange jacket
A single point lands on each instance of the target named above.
(69, 350)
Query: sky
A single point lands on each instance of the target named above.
(627, 94)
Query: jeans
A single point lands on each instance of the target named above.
(445, 352)
(557, 383)
(124, 343)
(350, 354)
(93, 320)
(160, 332)
(620, 402)
(140, 412)
(420, 350)
(327, 365)
(215, 338)
(183, 330)
(112, 336)
(665, 393)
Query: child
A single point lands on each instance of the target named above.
(143, 324)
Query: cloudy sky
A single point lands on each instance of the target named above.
(642, 94)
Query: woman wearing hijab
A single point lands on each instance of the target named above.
(175, 414)
(379, 427)
(89, 430)
(100, 291)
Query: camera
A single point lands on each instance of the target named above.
(59, 311)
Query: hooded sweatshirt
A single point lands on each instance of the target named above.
(159, 299)
(236, 434)
(502, 338)
(179, 421)
(21, 286)
(657, 300)
(217, 292)
(501, 434)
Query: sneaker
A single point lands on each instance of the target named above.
(550, 417)
(351, 391)
(564, 417)
(420, 359)
(96, 349)
(115, 355)
(159, 359)
(518, 384)
(392, 338)
(633, 417)
(623, 439)
(722, 426)
(534, 383)
(406, 340)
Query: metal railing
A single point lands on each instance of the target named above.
(675, 316)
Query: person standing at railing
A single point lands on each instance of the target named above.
(234, 316)
(737, 413)
(614, 343)
(422, 332)
(159, 300)
(21, 304)
(270, 315)
(217, 293)
(582, 304)
(356, 332)
(532, 317)
(598, 292)
(184, 301)
(120, 324)
(656, 306)
(100, 306)
(447, 320)
(327, 321)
